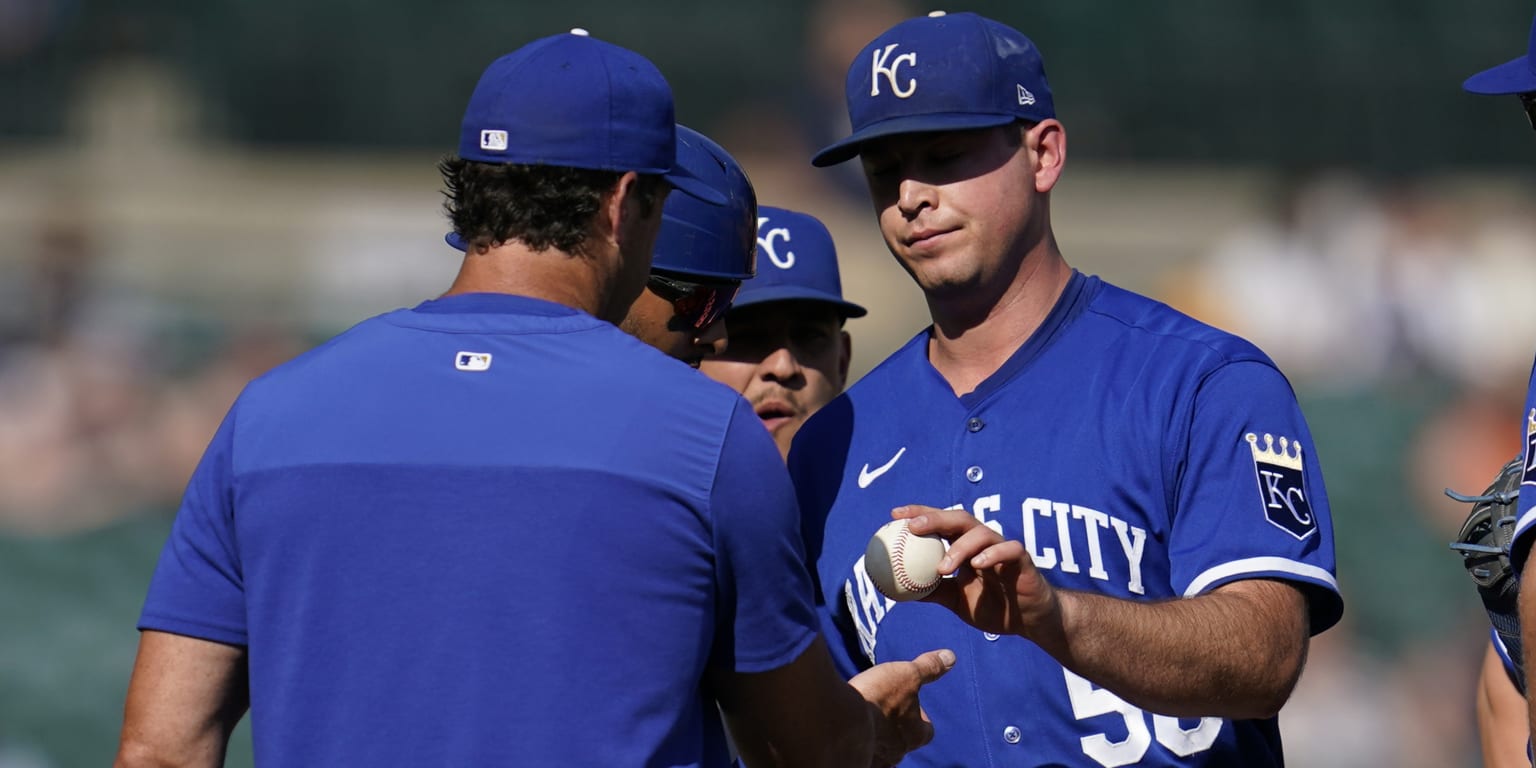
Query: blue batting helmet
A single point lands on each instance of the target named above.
(698, 239)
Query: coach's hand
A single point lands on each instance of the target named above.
(996, 587)
(891, 688)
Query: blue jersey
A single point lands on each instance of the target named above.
(1135, 452)
(489, 530)
(1521, 546)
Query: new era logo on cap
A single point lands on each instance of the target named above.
(941, 72)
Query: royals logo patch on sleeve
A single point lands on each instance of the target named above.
(1282, 489)
(1528, 475)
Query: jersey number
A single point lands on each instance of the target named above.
(1090, 701)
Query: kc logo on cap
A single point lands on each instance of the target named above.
(800, 248)
(765, 243)
(881, 69)
(941, 72)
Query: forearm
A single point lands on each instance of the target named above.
(1236, 652)
(184, 699)
(1501, 716)
(1528, 633)
(800, 714)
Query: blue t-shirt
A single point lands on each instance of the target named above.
(489, 530)
(1135, 452)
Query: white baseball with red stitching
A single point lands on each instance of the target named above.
(903, 565)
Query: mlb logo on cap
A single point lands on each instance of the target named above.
(495, 141)
(796, 260)
(942, 72)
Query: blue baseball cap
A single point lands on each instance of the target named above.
(941, 72)
(799, 262)
(1518, 76)
(575, 101)
(697, 239)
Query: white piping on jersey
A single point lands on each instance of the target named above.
(1257, 565)
(1525, 522)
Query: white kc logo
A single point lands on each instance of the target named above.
(880, 67)
(765, 242)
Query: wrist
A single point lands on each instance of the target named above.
(1052, 626)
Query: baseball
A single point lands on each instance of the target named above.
(903, 565)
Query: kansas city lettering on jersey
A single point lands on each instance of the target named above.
(1051, 529)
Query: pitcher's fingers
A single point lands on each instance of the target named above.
(967, 546)
(912, 510)
(1003, 553)
(945, 523)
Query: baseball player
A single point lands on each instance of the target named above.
(788, 352)
(1141, 545)
(1504, 721)
(703, 253)
(494, 528)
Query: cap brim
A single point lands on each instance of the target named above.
(1518, 76)
(848, 148)
(457, 241)
(796, 293)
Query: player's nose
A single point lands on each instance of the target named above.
(779, 365)
(914, 195)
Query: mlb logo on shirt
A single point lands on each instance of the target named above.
(1281, 487)
(472, 361)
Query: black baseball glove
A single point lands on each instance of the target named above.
(1484, 546)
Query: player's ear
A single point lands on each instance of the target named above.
(618, 208)
(1047, 144)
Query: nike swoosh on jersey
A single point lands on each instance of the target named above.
(867, 475)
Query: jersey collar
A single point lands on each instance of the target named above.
(1074, 298)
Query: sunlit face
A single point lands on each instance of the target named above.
(653, 320)
(787, 358)
(958, 208)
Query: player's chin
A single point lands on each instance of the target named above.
(777, 425)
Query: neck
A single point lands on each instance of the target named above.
(551, 275)
(970, 340)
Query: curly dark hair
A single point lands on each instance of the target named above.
(542, 206)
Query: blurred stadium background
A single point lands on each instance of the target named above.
(191, 194)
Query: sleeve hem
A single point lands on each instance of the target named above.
(792, 652)
(1323, 599)
(199, 630)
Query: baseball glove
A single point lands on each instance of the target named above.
(1484, 546)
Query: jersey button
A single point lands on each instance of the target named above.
(973, 474)
(974, 424)
(1011, 734)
